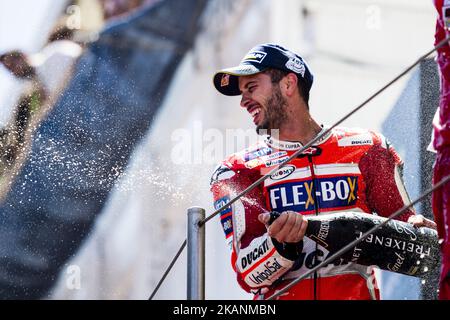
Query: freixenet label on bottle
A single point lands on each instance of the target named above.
(396, 246)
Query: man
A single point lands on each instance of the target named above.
(33, 95)
(346, 170)
(17, 63)
(44, 76)
(441, 143)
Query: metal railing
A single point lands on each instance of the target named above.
(195, 254)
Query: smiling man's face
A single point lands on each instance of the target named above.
(263, 101)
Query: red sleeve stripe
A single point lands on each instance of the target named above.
(225, 215)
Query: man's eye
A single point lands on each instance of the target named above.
(251, 89)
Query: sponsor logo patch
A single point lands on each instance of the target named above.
(283, 145)
(274, 162)
(268, 161)
(257, 153)
(356, 140)
(267, 271)
(274, 155)
(254, 255)
(225, 80)
(296, 65)
(311, 151)
(254, 56)
(283, 172)
(225, 215)
(330, 192)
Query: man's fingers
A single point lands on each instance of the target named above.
(289, 227)
(278, 225)
(264, 218)
(303, 229)
(420, 221)
(283, 233)
(294, 234)
(430, 224)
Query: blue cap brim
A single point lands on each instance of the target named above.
(226, 81)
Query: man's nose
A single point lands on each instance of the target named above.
(245, 100)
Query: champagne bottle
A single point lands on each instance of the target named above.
(397, 246)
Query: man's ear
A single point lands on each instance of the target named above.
(289, 84)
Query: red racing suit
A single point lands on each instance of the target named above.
(441, 143)
(347, 170)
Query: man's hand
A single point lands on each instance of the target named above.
(419, 220)
(289, 227)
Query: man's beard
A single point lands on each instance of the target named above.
(274, 114)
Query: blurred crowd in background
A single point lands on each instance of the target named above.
(45, 74)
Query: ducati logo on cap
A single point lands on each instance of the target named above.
(225, 80)
(255, 56)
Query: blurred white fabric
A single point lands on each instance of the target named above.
(54, 64)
